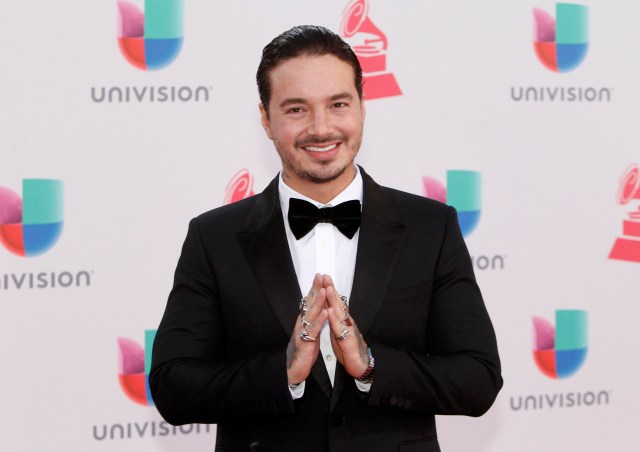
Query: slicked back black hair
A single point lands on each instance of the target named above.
(303, 40)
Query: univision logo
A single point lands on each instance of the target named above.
(152, 39)
(32, 225)
(135, 364)
(463, 191)
(134, 367)
(561, 351)
(561, 44)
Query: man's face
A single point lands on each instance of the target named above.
(315, 120)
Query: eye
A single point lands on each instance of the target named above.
(294, 110)
(340, 105)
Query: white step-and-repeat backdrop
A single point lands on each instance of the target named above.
(121, 121)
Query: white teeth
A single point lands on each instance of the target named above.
(315, 149)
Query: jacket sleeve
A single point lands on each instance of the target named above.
(192, 379)
(457, 369)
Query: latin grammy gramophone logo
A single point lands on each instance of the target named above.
(627, 247)
(239, 187)
(370, 46)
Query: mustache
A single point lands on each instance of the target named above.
(315, 141)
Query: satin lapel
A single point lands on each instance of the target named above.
(264, 243)
(381, 236)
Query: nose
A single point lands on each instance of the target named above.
(319, 124)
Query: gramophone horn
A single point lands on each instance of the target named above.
(629, 185)
(355, 19)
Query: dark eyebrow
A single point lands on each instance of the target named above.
(294, 100)
(346, 96)
(300, 100)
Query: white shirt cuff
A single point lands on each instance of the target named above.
(297, 391)
(363, 387)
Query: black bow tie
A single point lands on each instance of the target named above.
(304, 216)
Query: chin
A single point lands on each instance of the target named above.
(324, 176)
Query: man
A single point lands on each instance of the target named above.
(391, 298)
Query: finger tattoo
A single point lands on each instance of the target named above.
(292, 351)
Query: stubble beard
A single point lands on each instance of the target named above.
(323, 175)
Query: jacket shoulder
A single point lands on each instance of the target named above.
(237, 208)
(229, 216)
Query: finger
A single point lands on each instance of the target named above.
(327, 281)
(301, 356)
(351, 351)
(313, 303)
(318, 323)
(316, 305)
(337, 305)
(337, 314)
(312, 318)
(336, 350)
(315, 299)
(316, 285)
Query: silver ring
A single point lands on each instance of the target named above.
(344, 335)
(306, 323)
(304, 335)
(303, 306)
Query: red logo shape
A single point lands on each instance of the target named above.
(239, 187)
(627, 247)
(370, 46)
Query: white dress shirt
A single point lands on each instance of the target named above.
(323, 250)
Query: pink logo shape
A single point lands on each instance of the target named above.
(434, 189)
(370, 46)
(10, 206)
(627, 247)
(134, 364)
(239, 187)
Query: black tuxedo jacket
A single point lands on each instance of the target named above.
(219, 353)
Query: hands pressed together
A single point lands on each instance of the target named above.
(324, 304)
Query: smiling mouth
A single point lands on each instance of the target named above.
(318, 149)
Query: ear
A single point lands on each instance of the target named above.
(264, 118)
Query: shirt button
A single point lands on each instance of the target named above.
(324, 243)
(329, 357)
